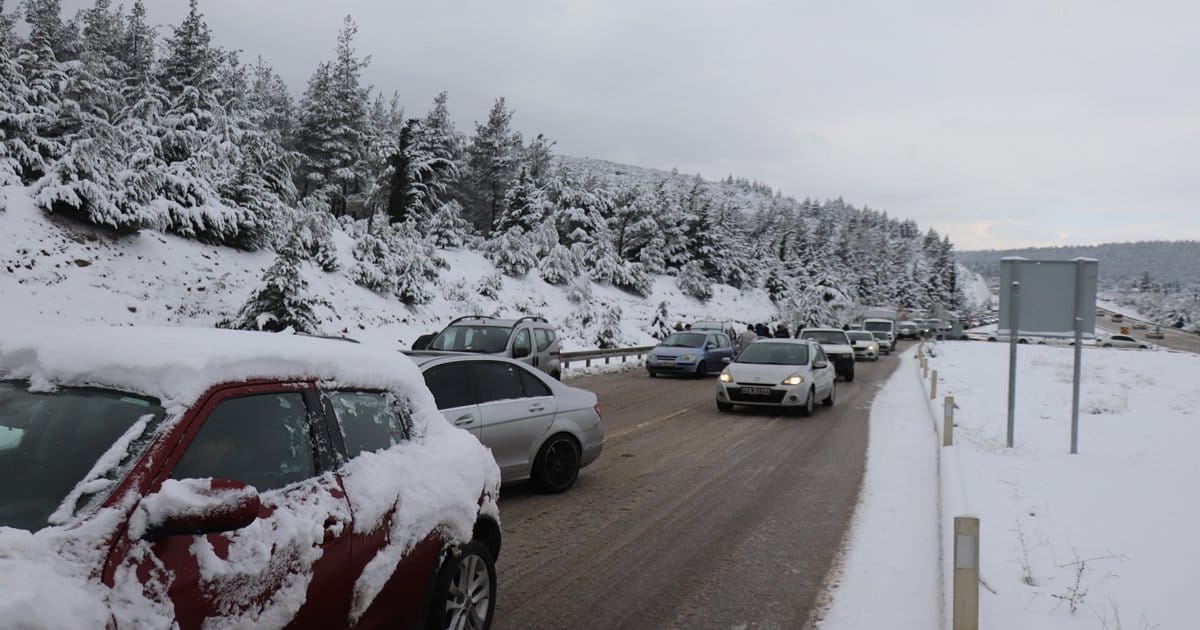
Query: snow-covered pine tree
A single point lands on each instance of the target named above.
(17, 122)
(558, 266)
(446, 228)
(660, 324)
(525, 206)
(333, 126)
(692, 281)
(538, 157)
(511, 251)
(491, 285)
(312, 233)
(609, 334)
(283, 301)
(32, 126)
(492, 160)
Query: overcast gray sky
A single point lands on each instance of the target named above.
(999, 123)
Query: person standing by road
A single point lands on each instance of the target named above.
(782, 332)
(745, 338)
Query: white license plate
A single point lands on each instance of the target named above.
(756, 391)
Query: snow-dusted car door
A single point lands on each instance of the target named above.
(287, 566)
(517, 409)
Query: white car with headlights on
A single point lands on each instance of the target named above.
(781, 373)
(864, 343)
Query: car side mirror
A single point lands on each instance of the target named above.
(710, 345)
(520, 353)
(820, 365)
(726, 360)
(190, 507)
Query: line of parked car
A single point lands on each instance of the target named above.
(249, 479)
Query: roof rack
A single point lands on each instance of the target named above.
(532, 318)
(331, 337)
(455, 321)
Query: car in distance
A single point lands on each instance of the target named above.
(238, 479)
(837, 348)
(864, 343)
(536, 427)
(691, 353)
(1124, 341)
(1155, 333)
(907, 330)
(780, 373)
(530, 340)
(886, 341)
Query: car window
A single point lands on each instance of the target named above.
(522, 343)
(533, 386)
(544, 338)
(723, 341)
(368, 420)
(472, 338)
(712, 339)
(449, 385)
(262, 440)
(494, 381)
(819, 354)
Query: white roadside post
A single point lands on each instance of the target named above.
(933, 386)
(948, 422)
(966, 573)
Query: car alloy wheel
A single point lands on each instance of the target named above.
(702, 370)
(469, 591)
(828, 402)
(557, 464)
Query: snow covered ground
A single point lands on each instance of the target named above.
(1094, 540)
(59, 272)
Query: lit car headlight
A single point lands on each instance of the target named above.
(725, 377)
(794, 379)
(687, 358)
(875, 346)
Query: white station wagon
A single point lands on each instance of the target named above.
(781, 373)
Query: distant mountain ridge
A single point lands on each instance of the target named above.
(1121, 264)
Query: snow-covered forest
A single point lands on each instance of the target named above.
(107, 123)
(1160, 279)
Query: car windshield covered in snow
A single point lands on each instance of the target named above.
(767, 353)
(60, 449)
(473, 338)
(832, 337)
(684, 340)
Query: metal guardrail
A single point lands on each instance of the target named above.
(587, 356)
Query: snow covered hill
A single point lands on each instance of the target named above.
(56, 270)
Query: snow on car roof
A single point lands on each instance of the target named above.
(177, 365)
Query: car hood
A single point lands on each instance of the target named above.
(754, 373)
(673, 351)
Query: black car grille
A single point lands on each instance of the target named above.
(775, 397)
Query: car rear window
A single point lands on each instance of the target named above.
(473, 338)
(544, 337)
(368, 420)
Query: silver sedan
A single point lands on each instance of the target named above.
(537, 427)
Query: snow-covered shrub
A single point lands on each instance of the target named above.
(282, 301)
(512, 252)
(609, 333)
(692, 281)
(580, 293)
(660, 327)
(446, 228)
(558, 266)
(312, 230)
(490, 286)
(393, 260)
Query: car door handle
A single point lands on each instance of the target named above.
(461, 420)
(537, 407)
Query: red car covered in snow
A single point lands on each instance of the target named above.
(155, 477)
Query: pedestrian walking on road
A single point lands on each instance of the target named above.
(761, 330)
(744, 339)
(782, 332)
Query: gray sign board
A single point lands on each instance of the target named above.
(1049, 294)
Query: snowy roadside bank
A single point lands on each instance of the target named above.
(890, 572)
(1093, 540)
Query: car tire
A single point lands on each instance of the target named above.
(724, 407)
(850, 374)
(459, 593)
(652, 373)
(556, 375)
(556, 466)
(828, 402)
(809, 403)
(1107, 345)
(701, 370)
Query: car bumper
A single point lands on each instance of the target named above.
(779, 395)
(667, 367)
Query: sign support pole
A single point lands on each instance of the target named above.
(1079, 298)
(1013, 328)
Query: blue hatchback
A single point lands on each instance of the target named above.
(691, 353)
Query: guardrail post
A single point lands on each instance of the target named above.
(587, 363)
(933, 386)
(966, 573)
(948, 422)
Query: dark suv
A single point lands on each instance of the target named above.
(237, 479)
(530, 340)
